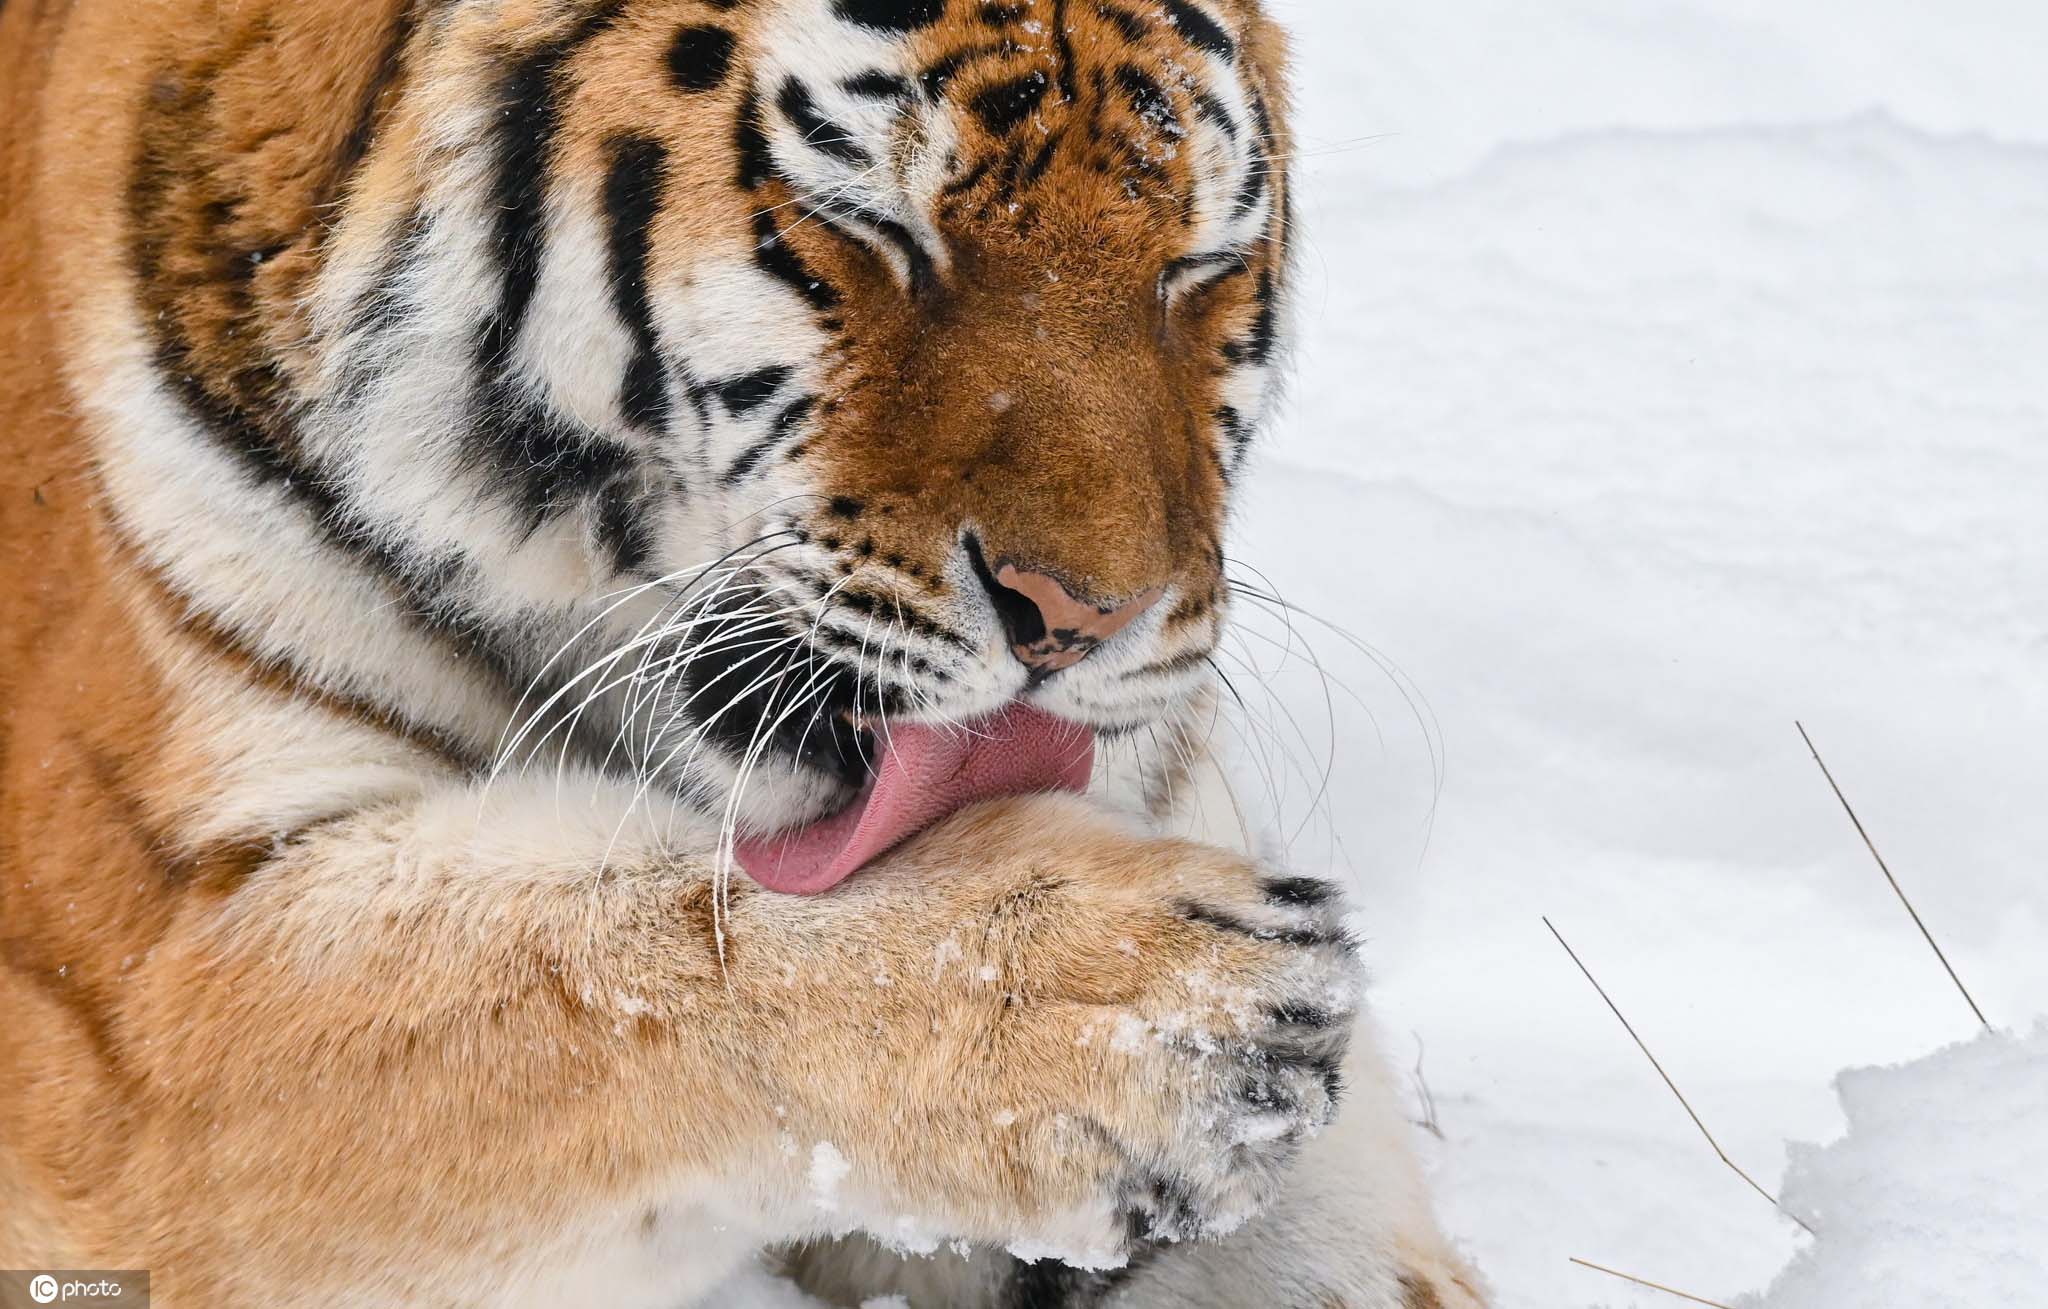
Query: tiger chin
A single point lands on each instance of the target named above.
(608, 626)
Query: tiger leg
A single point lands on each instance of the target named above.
(486, 1045)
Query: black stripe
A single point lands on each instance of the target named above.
(1002, 107)
(1257, 348)
(547, 464)
(878, 85)
(698, 394)
(750, 144)
(890, 15)
(784, 423)
(241, 414)
(1200, 29)
(258, 441)
(967, 180)
(748, 392)
(423, 587)
(529, 114)
(1063, 49)
(1040, 162)
(1252, 188)
(1236, 431)
(632, 197)
(908, 616)
(856, 646)
(1263, 116)
(922, 273)
(1132, 26)
(1147, 97)
(819, 132)
(1007, 176)
(775, 258)
(794, 414)
(1177, 268)
(939, 74)
(1209, 107)
(699, 57)
(248, 414)
(381, 308)
(1262, 162)
(622, 529)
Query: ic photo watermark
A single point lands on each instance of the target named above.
(30, 1288)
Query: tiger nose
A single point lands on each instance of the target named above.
(1050, 628)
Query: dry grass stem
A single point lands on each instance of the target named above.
(1886, 870)
(1654, 1286)
(1696, 1121)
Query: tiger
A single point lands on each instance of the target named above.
(610, 625)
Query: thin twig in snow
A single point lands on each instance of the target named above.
(1886, 870)
(1654, 1286)
(1696, 1122)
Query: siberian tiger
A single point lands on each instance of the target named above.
(566, 561)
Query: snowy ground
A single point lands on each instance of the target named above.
(1948, 1146)
(1671, 371)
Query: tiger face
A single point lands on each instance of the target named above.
(735, 377)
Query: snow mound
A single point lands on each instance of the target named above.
(1938, 1195)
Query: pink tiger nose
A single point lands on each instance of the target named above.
(1050, 628)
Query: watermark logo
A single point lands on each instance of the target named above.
(25, 1288)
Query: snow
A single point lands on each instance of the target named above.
(1670, 372)
(828, 1169)
(757, 1288)
(1938, 1196)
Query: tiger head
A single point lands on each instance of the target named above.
(738, 376)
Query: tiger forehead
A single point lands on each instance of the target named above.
(1005, 62)
(943, 110)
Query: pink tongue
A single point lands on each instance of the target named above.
(925, 774)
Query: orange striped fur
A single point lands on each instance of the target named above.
(353, 354)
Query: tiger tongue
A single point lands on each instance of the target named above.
(924, 774)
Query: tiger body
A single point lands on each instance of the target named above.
(467, 460)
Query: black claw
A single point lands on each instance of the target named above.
(1225, 922)
(1300, 1056)
(1161, 1209)
(1303, 892)
(1330, 1070)
(1302, 1015)
(1175, 1214)
(1268, 1094)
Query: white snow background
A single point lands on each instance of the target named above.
(1670, 372)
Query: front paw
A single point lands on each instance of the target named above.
(1151, 1027)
